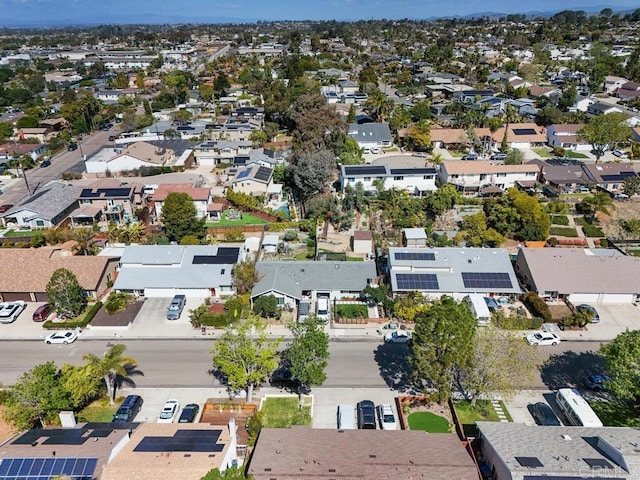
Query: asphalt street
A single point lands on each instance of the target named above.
(187, 363)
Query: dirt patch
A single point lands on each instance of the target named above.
(120, 319)
(219, 411)
(6, 430)
(424, 404)
(623, 210)
(558, 312)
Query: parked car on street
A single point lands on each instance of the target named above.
(596, 382)
(366, 415)
(175, 307)
(62, 337)
(72, 147)
(544, 415)
(169, 411)
(498, 156)
(399, 336)
(620, 153)
(9, 311)
(189, 413)
(386, 417)
(45, 163)
(470, 156)
(543, 338)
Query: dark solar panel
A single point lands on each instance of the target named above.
(531, 462)
(240, 161)
(183, 441)
(244, 174)
(486, 280)
(417, 281)
(524, 131)
(598, 463)
(365, 170)
(105, 192)
(415, 171)
(47, 468)
(263, 174)
(414, 256)
(618, 177)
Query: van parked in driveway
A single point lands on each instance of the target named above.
(128, 410)
(41, 313)
(346, 417)
(322, 309)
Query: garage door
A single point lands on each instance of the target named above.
(170, 292)
(617, 298)
(42, 297)
(13, 296)
(577, 298)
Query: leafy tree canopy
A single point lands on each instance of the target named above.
(180, 218)
(622, 360)
(308, 352)
(66, 296)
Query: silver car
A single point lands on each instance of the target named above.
(175, 307)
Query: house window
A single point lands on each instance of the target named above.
(501, 175)
(39, 223)
(428, 177)
(398, 179)
(352, 180)
(531, 174)
(367, 179)
(455, 176)
(280, 300)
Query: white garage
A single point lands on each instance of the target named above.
(170, 292)
(622, 298)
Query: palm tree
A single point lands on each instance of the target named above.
(83, 237)
(600, 202)
(111, 366)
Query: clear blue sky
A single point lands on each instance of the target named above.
(150, 11)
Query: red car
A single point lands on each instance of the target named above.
(4, 208)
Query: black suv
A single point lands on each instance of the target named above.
(366, 415)
(128, 410)
(544, 415)
(189, 413)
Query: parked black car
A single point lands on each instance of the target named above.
(366, 415)
(544, 415)
(128, 410)
(189, 413)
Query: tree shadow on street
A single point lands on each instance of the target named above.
(395, 369)
(568, 369)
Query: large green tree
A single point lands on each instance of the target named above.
(6, 130)
(245, 356)
(244, 276)
(605, 132)
(308, 353)
(622, 361)
(110, 365)
(37, 397)
(312, 172)
(65, 294)
(180, 218)
(443, 343)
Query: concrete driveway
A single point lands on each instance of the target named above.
(614, 319)
(24, 327)
(153, 317)
(326, 401)
(519, 406)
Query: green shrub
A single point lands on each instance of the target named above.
(552, 241)
(537, 306)
(281, 226)
(563, 231)
(592, 231)
(233, 235)
(72, 323)
(560, 220)
(290, 236)
(500, 320)
(558, 207)
(604, 243)
(116, 302)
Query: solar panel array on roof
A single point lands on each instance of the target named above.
(417, 281)
(531, 462)
(486, 280)
(183, 441)
(415, 171)
(618, 177)
(244, 174)
(224, 256)
(240, 161)
(263, 174)
(105, 192)
(47, 468)
(414, 256)
(365, 170)
(524, 131)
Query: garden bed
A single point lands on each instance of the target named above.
(120, 319)
(563, 231)
(592, 231)
(559, 220)
(351, 310)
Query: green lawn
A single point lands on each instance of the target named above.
(542, 152)
(22, 233)
(99, 411)
(355, 259)
(634, 252)
(563, 231)
(429, 422)
(482, 411)
(349, 310)
(282, 412)
(572, 154)
(582, 221)
(559, 220)
(245, 220)
(592, 231)
(616, 413)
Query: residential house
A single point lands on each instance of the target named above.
(525, 107)
(635, 134)
(48, 207)
(187, 451)
(197, 271)
(348, 86)
(370, 135)
(570, 273)
(414, 237)
(516, 451)
(609, 176)
(456, 272)
(324, 454)
(472, 177)
(602, 109)
(27, 271)
(536, 91)
(629, 91)
(252, 179)
(449, 138)
(211, 153)
(492, 106)
(116, 201)
(135, 156)
(41, 134)
(566, 136)
(521, 135)
(291, 282)
(201, 197)
(10, 150)
(249, 114)
(565, 177)
(472, 96)
(362, 242)
(415, 180)
(612, 83)
(582, 104)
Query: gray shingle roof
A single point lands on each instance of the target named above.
(370, 132)
(49, 201)
(291, 278)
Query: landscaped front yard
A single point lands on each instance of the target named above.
(21, 233)
(246, 219)
(282, 412)
(429, 422)
(99, 411)
(351, 310)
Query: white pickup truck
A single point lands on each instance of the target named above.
(9, 311)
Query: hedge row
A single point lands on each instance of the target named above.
(559, 220)
(71, 324)
(592, 231)
(563, 231)
(518, 323)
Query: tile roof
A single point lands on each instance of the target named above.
(362, 235)
(304, 453)
(567, 127)
(448, 135)
(30, 269)
(539, 135)
(196, 193)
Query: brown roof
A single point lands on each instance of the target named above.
(147, 152)
(601, 172)
(362, 235)
(453, 167)
(567, 127)
(30, 269)
(215, 207)
(196, 193)
(448, 135)
(539, 135)
(19, 148)
(304, 453)
(162, 465)
(538, 91)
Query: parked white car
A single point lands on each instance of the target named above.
(620, 153)
(399, 336)
(63, 336)
(9, 311)
(169, 412)
(386, 417)
(543, 338)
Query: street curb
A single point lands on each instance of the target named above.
(155, 339)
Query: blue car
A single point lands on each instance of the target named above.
(596, 382)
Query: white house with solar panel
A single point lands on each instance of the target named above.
(456, 272)
(252, 179)
(416, 180)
